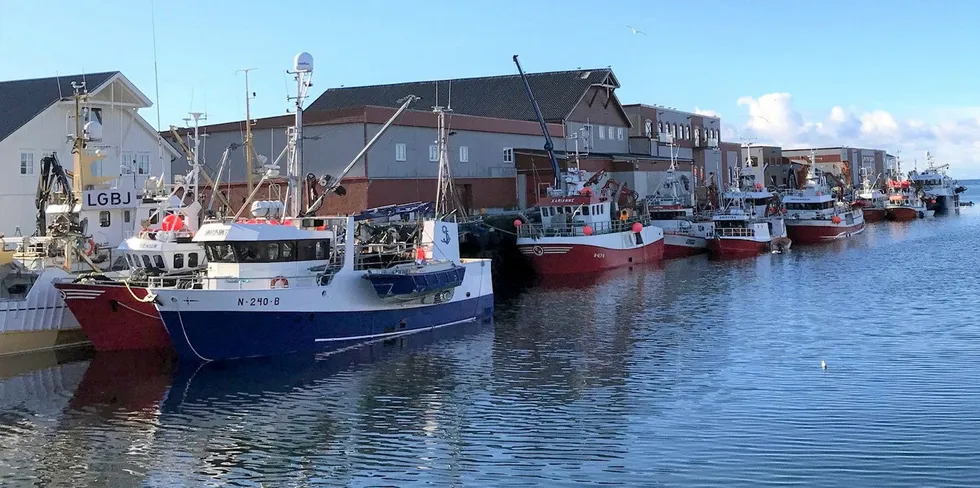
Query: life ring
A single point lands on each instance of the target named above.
(89, 248)
(275, 282)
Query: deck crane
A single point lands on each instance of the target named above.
(548, 144)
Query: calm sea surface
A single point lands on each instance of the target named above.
(699, 373)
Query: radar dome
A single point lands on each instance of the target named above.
(303, 62)
(93, 130)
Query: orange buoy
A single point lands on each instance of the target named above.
(835, 219)
(172, 222)
(587, 230)
(517, 223)
(637, 227)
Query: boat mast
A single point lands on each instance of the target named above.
(248, 132)
(303, 73)
(195, 161)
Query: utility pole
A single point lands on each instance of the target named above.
(248, 132)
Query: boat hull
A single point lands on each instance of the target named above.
(682, 245)
(39, 321)
(945, 205)
(817, 231)
(224, 324)
(732, 247)
(906, 214)
(113, 318)
(589, 254)
(875, 214)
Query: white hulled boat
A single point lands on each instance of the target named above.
(940, 192)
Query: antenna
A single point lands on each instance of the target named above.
(58, 78)
(303, 71)
(156, 74)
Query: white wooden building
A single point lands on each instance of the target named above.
(37, 117)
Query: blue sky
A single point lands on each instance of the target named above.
(909, 60)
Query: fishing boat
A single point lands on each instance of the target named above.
(814, 215)
(579, 226)
(80, 220)
(672, 210)
(904, 203)
(116, 313)
(749, 223)
(872, 201)
(302, 283)
(940, 192)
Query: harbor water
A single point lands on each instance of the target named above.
(693, 373)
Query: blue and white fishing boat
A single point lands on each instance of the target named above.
(281, 285)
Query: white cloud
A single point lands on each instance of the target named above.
(952, 135)
(709, 113)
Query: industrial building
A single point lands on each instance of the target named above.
(496, 145)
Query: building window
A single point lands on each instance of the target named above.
(26, 163)
(433, 152)
(104, 219)
(660, 127)
(687, 132)
(509, 155)
(602, 133)
(127, 163)
(401, 152)
(192, 260)
(464, 154)
(143, 163)
(619, 133)
(673, 131)
(697, 133)
(611, 133)
(648, 128)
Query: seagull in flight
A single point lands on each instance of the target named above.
(635, 30)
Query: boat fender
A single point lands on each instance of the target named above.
(277, 281)
(420, 255)
(89, 248)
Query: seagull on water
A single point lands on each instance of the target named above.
(635, 30)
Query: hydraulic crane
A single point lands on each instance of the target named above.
(548, 144)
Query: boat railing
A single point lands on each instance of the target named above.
(535, 230)
(197, 281)
(735, 232)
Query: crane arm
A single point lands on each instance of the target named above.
(549, 146)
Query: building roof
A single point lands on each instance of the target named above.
(22, 100)
(502, 97)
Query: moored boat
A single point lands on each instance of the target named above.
(749, 223)
(116, 314)
(573, 231)
(872, 201)
(673, 211)
(813, 215)
(303, 283)
(940, 192)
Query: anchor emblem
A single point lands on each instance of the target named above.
(446, 239)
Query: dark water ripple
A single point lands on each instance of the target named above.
(697, 374)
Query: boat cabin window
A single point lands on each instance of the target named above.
(267, 251)
(585, 210)
(192, 260)
(158, 261)
(132, 261)
(146, 262)
(127, 216)
(178, 261)
(810, 206)
(104, 218)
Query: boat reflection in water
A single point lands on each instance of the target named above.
(253, 419)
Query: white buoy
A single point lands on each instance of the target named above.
(823, 364)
